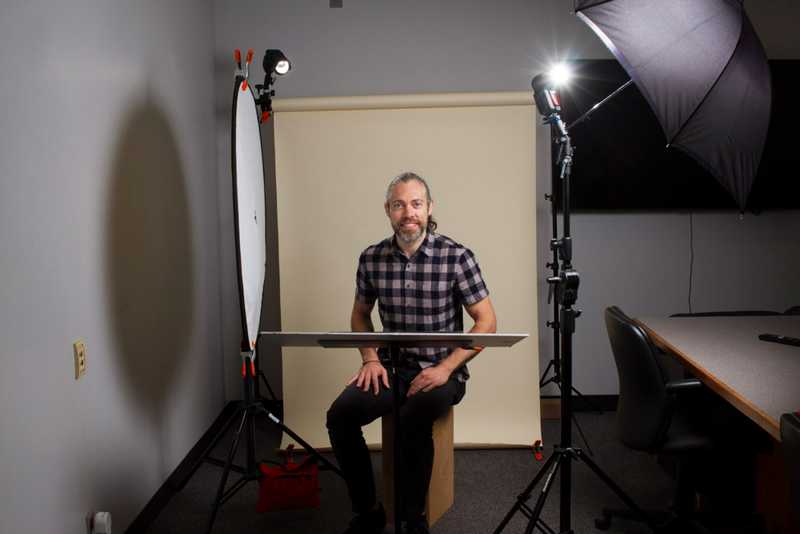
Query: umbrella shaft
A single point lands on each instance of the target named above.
(594, 108)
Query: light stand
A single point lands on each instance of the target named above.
(564, 286)
(275, 64)
(555, 363)
(247, 180)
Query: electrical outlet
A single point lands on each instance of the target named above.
(98, 523)
(79, 351)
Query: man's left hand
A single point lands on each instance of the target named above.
(428, 379)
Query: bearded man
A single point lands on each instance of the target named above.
(421, 280)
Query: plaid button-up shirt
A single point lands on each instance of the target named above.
(423, 293)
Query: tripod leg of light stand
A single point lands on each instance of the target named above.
(542, 381)
(548, 483)
(205, 456)
(542, 526)
(225, 472)
(523, 497)
(258, 408)
(583, 437)
(308, 448)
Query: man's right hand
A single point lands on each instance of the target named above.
(371, 374)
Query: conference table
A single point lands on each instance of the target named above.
(760, 379)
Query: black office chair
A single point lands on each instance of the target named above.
(790, 439)
(649, 414)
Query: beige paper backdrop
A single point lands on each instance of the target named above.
(334, 159)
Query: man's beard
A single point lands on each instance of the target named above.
(408, 237)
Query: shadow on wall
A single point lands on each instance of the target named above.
(149, 259)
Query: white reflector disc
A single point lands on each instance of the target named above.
(248, 206)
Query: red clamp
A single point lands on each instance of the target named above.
(248, 357)
(237, 56)
(537, 450)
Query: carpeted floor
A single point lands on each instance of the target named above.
(487, 483)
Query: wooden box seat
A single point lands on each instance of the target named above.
(441, 490)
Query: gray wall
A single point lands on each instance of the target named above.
(109, 232)
(638, 261)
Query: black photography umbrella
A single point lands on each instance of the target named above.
(704, 73)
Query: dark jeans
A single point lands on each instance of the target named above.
(355, 408)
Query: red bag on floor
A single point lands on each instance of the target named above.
(289, 486)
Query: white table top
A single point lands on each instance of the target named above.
(385, 339)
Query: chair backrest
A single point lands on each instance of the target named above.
(644, 407)
(790, 442)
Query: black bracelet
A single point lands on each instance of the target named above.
(370, 361)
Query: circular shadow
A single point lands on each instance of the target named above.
(149, 257)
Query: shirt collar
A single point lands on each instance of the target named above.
(427, 245)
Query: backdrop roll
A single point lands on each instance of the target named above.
(334, 158)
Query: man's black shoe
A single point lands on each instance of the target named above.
(418, 526)
(371, 522)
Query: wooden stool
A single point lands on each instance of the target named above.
(441, 490)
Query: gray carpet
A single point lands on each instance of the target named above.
(487, 483)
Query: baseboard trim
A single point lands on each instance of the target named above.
(159, 501)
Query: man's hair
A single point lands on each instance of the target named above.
(408, 177)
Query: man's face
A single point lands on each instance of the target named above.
(408, 210)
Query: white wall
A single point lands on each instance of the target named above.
(109, 232)
(638, 261)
